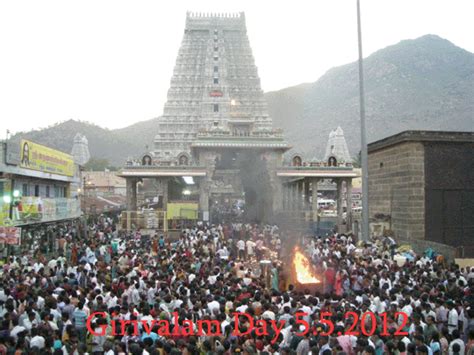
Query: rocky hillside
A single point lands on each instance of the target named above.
(426, 83)
(112, 145)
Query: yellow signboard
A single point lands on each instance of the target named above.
(38, 157)
(184, 210)
(5, 204)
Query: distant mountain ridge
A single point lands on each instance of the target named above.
(425, 83)
(114, 145)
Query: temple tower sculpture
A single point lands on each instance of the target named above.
(216, 151)
(215, 86)
(80, 149)
(336, 149)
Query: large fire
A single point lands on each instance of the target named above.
(304, 274)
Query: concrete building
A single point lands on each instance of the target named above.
(39, 187)
(421, 187)
(103, 191)
(103, 183)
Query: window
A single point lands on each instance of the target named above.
(24, 191)
(216, 58)
(215, 40)
(216, 108)
(216, 80)
(216, 69)
(37, 190)
(216, 49)
(47, 191)
(60, 191)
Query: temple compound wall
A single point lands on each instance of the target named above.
(421, 183)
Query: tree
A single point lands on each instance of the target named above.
(357, 160)
(96, 164)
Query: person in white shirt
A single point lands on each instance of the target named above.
(17, 329)
(212, 305)
(241, 247)
(38, 266)
(108, 348)
(247, 280)
(223, 253)
(30, 321)
(453, 318)
(456, 340)
(37, 341)
(323, 344)
(250, 248)
(134, 295)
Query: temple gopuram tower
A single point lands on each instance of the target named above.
(216, 155)
(215, 86)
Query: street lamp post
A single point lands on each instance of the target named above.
(363, 137)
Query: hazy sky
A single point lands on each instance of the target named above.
(110, 61)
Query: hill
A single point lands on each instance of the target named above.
(425, 83)
(103, 143)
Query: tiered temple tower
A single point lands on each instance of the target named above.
(80, 149)
(215, 86)
(337, 147)
(215, 130)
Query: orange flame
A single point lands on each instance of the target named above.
(304, 275)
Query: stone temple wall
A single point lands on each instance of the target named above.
(397, 188)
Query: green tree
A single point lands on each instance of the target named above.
(357, 160)
(96, 164)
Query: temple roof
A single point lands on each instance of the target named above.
(337, 146)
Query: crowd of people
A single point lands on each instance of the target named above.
(211, 271)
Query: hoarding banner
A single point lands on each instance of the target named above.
(38, 157)
(185, 210)
(37, 209)
(5, 204)
(10, 235)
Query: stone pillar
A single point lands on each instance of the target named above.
(314, 207)
(164, 184)
(339, 195)
(131, 194)
(300, 195)
(349, 203)
(290, 197)
(277, 188)
(306, 195)
(294, 197)
(204, 199)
